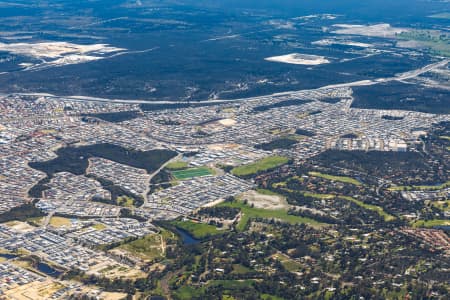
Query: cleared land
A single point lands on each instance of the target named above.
(265, 199)
(377, 30)
(60, 222)
(37, 290)
(259, 166)
(249, 213)
(198, 230)
(191, 173)
(19, 226)
(299, 59)
(343, 179)
(433, 40)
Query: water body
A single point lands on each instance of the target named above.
(8, 256)
(41, 267)
(186, 237)
(47, 270)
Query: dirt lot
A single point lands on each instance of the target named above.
(272, 202)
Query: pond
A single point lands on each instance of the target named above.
(8, 256)
(187, 238)
(46, 269)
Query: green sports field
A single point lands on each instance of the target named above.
(260, 165)
(190, 173)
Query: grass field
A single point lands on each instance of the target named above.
(387, 217)
(147, 248)
(442, 205)
(125, 201)
(430, 223)
(191, 173)
(99, 226)
(198, 230)
(343, 179)
(249, 213)
(187, 292)
(60, 222)
(444, 137)
(240, 269)
(177, 165)
(289, 264)
(259, 166)
(267, 192)
(420, 187)
(35, 221)
(319, 196)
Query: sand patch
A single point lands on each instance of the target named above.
(271, 202)
(330, 42)
(113, 296)
(299, 59)
(54, 50)
(220, 147)
(20, 226)
(378, 30)
(227, 122)
(37, 290)
(54, 54)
